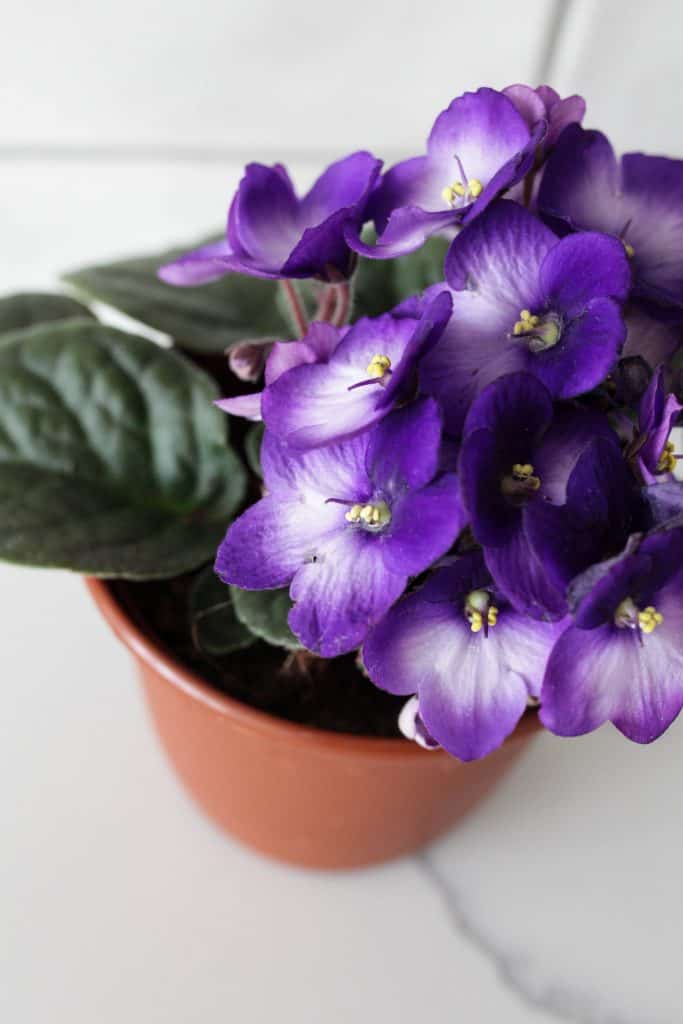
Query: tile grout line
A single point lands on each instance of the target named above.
(166, 154)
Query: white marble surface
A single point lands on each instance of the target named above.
(559, 899)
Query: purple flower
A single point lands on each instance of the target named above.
(525, 300)
(366, 374)
(654, 340)
(543, 490)
(666, 502)
(649, 343)
(346, 526)
(638, 200)
(472, 660)
(656, 419)
(544, 104)
(621, 660)
(479, 147)
(317, 346)
(247, 360)
(272, 233)
(413, 728)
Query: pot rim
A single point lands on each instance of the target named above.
(243, 715)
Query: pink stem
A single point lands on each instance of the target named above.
(328, 304)
(341, 313)
(295, 306)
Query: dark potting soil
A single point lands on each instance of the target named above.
(330, 694)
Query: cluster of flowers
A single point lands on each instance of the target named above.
(477, 487)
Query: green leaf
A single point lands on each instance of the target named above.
(208, 318)
(113, 460)
(379, 285)
(252, 448)
(215, 627)
(27, 308)
(265, 613)
(418, 270)
(374, 288)
(213, 317)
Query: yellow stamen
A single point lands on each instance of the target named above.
(628, 616)
(476, 621)
(526, 323)
(543, 332)
(628, 249)
(667, 460)
(479, 609)
(378, 366)
(649, 619)
(452, 193)
(373, 515)
(523, 472)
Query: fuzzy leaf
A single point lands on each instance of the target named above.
(113, 460)
(27, 308)
(213, 317)
(207, 318)
(265, 613)
(215, 627)
(418, 270)
(379, 285)
(252, 448)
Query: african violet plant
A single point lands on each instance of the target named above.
(467, 471)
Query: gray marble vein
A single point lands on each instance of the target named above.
(564, 1000)
(568, 878)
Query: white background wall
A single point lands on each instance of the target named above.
(256, 76)
(124, 125)
(267, 77)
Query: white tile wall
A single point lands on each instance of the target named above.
(625, 57)
(258, 76)
(266, 78)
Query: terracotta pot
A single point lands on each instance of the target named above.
(315, 798)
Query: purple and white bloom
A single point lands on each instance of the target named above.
(544, 104)
(657, 417)
(470, 658)
(413, 728)
(621, 659)
(638, 200)
(247, 360)
(272, 233)
(524, 300)
(346, 526)
(317, 346)
(479, 147)
(666, 502)
(654, 340)
(372, 369)
(520, 461)
(626, 385)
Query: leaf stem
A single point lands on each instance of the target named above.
(328, 304)
(295, 307)
(343, 307)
